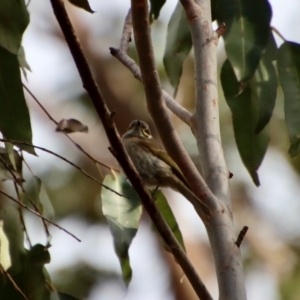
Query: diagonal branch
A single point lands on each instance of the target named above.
(119, 152)
(39, 215)
(156, 106)
(123, 57)
(72, 141)
(64, 159)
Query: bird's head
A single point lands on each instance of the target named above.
(138, 128)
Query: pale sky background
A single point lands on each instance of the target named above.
(275, 198)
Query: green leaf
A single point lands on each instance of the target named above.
(123, 216)
(14, 114)
(179, 44)
(23, 62)
(243, 105)
(166, 211)
(7, 170)
(36, 192)
(14, 19)
(61, 296)
(32, 278)
(84, 4)
(11, 237)
(264, 86)
(155, 7)
(289, 75)
(247, 33)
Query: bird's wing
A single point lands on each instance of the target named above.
(156, 149)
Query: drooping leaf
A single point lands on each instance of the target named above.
(264, 86)
(14, 19)
(123, 216)
(7, 170)
(252, 147)
(14, 114)
(289, 75)
(166, 211)
(155, 7)
(246, 35)
(84, 4)
(179, 44)
(70, 126)
(36, 193)
(61, 296)
(23, 62)
(11, 238)
(31, 278)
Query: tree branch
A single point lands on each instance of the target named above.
(206, 129)
(156, 105)
(122, 157)
(123, 57)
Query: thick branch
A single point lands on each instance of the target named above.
(207, 132)
(123, 57)
(156, 105)
(114, 139)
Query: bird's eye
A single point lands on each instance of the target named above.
(146, 132)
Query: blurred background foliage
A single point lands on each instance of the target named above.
(90, 269)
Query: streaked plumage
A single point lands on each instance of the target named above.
(155, 166)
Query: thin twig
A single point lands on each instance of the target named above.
(93, 90)
(39, 215)
(66, 160)
(123, 57)
(72, 141)
(12, 281)
(16, 184)
(21, 217)
(278, 33)
(241, 236)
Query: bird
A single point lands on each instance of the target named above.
(155, 167)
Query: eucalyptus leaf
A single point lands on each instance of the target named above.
(7, 170)
(23, 62)
(243, 105)
(14, 18)
(247, 33)
(123, 216)
(14, 115)
(84, 4)
(31, 278)
(178, 46)
(155, 7)
(264, 85)
(36, 193)
(164, 208)
(289, 75)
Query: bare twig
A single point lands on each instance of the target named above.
(278, 33)
(241, 236)
(123, 57)
(66, 160)
(118, 149)
(16, 184)
(72, 141)
(12, 281)
(21, 217)
(39, 215)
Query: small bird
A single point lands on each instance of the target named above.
(155, 166)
